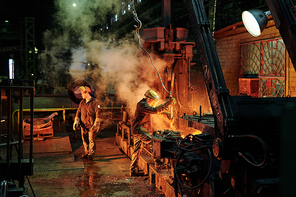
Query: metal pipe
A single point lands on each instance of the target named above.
(20, 150)
(166, 12)
(31, 128)
(8, 133)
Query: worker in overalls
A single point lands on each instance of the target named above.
(88, 117)
(141, 125)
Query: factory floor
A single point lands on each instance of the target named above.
(64, 173)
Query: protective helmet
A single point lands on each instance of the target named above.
(85, 89)
(151, 94)
(82, 89)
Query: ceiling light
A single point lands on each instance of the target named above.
(255, 21)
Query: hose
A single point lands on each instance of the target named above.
(264, 146)
(206, 177)
(186, 149)
(138, 27)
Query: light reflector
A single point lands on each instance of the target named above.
(255, 21)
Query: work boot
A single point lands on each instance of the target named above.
(90, 157)
(84, 156)
(136, 173)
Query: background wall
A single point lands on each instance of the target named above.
(228, 49)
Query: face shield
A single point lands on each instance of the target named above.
(82, 89)
(151, 94)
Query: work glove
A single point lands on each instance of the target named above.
(171, 101)
(165, 105)
(76, 123)
(166, 114)
(96, 125)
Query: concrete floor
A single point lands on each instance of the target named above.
(65, 174)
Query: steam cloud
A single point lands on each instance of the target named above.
(123, 65)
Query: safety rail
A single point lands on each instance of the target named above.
(16, 169)
(110, 113)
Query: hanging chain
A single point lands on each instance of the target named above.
(138, 27)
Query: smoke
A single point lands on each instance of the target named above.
(126, 67)
(122, 64)
(84, 15)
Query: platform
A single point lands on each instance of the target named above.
(161, 178)
(66, 174)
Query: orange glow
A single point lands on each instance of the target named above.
(195, 132)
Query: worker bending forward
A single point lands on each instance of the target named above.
(141, 124)
(88, 116)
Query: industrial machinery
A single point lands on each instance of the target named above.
(240, 155)
(247, 130)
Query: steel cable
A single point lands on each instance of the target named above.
(138, 27)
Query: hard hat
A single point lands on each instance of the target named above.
(151, 94)
(82, 89)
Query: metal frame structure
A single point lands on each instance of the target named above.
(284, 15)
(30, 47)
(16, 170)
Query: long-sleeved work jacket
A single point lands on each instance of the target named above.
(89, 114)
(142, 116)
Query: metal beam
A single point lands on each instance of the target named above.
(30, 47)
(283, 13)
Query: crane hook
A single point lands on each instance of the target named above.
(137, 20)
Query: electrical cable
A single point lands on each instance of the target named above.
(206, 177)
(31, 186)
(186, 149)
(138, 27)
(264, 146)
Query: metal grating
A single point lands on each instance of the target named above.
(273, 58)
(250, 54)
(272, 87)
(265, 59)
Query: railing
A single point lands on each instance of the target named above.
(109, 112)
(24, 167)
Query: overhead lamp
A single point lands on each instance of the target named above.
(255, 21)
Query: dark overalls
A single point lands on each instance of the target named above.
(141, 129)
(88, 112)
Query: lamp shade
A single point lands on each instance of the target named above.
(255, 21)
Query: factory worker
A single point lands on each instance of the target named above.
(141, 124)
(88, 117)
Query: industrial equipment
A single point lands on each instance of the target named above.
(42, 128)
(239, 155)
(247, 130)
